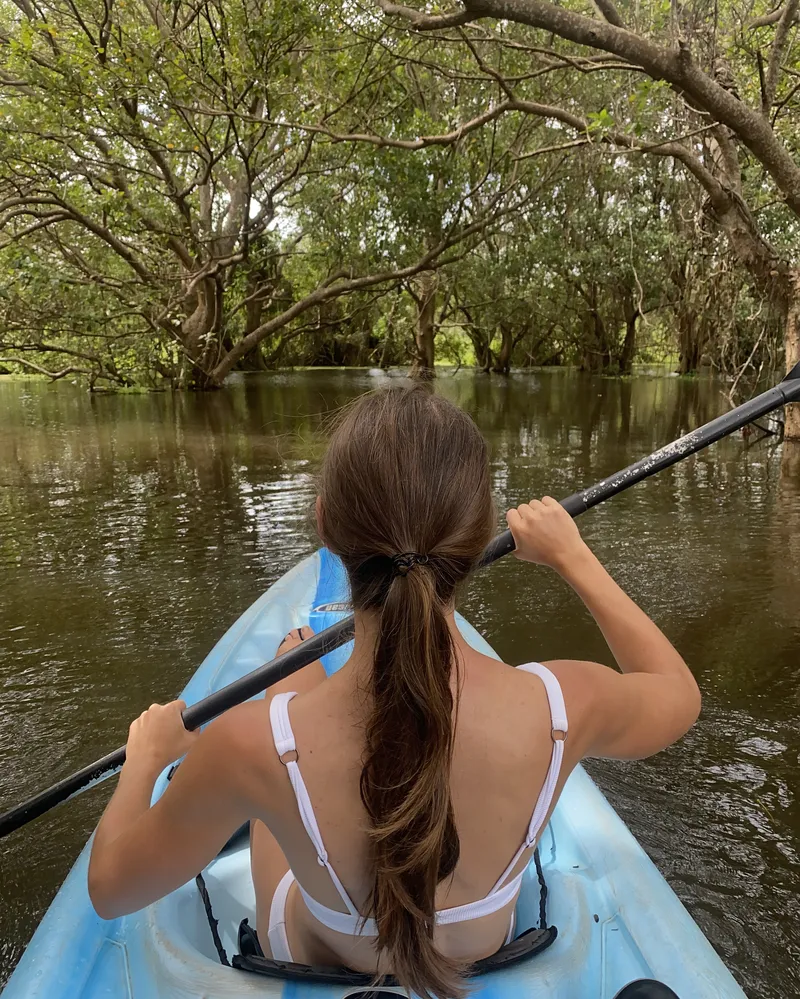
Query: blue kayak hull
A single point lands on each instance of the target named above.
(617, 918)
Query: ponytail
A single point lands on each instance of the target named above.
(405, 781)
(407, 471)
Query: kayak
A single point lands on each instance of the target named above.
(618, 921)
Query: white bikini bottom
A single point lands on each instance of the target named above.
(278, 938)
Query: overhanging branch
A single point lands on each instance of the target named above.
(675, 65)
(53, 375)
(425, 22)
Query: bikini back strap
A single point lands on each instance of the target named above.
(555, 699)
(559, 727)
(286, 749)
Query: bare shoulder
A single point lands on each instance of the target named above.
(235, 726)
(624, 715)
(238, 743)
(583, 685)
(579, 679)
(507, 701)
(487, 673)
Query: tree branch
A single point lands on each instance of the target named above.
(421, 142)
(766, 19)
(101, 231)
(53, 375)
(53, 348)
(675, 65)
(424, 22)
(779, 44)
(609, 12)
(27, 8)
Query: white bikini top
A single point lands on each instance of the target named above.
(352, 922)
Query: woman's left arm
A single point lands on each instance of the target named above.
(139, 853)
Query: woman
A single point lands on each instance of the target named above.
(395, 805)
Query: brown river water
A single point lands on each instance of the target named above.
(135, 528)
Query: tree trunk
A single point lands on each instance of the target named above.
(254, 310)
(502, 366)
(425, 333)
(198, 380)
(683, 275)
(792, 341)
(596, 356)
(481, 342)
(629, 346)
(254, 361)
(200, 334)
(483, 352)
(689, 344)
(388, 345)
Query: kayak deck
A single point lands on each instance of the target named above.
(617, 918)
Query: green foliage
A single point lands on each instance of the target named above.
(190, 188)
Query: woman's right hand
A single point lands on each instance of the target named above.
(545, 533)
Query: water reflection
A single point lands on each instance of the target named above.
(135, 528)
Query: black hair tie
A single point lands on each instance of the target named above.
(402, 563)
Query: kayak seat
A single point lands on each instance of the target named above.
(251, 958)
(646, 988)
(237, 840)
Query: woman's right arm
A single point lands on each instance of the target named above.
(655, 699)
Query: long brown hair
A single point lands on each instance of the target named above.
(407, 471)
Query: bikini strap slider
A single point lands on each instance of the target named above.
(559, 735)
(290, 756)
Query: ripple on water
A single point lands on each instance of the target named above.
(758, 746)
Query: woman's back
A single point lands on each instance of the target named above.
(503, 749)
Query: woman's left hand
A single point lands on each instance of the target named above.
(158, 736)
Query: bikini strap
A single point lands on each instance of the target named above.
(555, 699)
(559, 728)
(286, 749)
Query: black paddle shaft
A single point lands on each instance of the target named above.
(785, 392)
(326, 641)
